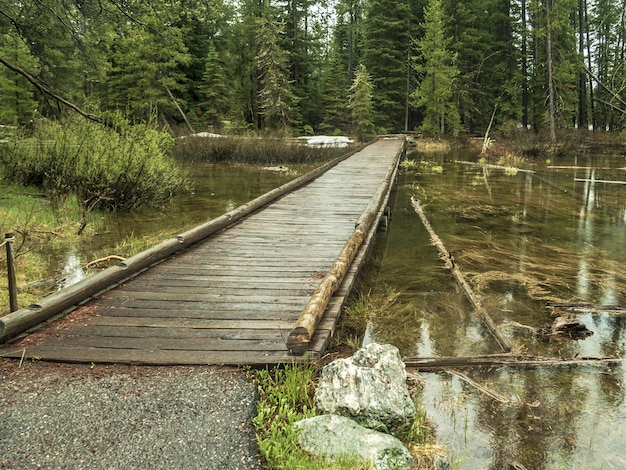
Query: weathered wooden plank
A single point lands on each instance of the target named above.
(185, 297)
(218, 279)
(137, 356)
(204, 289)
(178, 333)
(184, 306)
(213, 314)
(154, 344)
(193, 323)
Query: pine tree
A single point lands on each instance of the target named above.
(335, 98)
(435, 65)
(215, 91)
(16, 94)
(361, 104)
(277, 99)
(387, 40)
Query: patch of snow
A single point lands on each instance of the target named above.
(203, 135)
(324, 141)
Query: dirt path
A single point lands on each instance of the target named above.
(60, 416)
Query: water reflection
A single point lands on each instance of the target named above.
(522, 239)
(217, 188)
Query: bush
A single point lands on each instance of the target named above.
(114, 169)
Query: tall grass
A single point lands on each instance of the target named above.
(105, 168)
(243, 149)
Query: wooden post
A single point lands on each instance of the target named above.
(460, 278)
(8, 241)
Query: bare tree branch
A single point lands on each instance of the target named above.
(46, 92)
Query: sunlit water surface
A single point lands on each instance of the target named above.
(522, 239)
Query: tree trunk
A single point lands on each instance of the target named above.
(460, 278)
(550, 73)
(582, 76)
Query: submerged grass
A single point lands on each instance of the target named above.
(35, 220)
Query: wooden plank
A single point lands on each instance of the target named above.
(179, 333)
(204, 289)
(193, 323)
(185, 297)
(184, 306)
(136, 356)
(213, 314)
(153, 344)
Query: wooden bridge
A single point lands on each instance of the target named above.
(234, 296)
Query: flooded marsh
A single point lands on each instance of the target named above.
(522, 239)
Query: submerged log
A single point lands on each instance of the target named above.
(501, 360)
(495, 167)
(460, 278)
(490, 393)
(593, 309)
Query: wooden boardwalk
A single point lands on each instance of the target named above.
(234, 297)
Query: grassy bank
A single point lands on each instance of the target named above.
(286, 394)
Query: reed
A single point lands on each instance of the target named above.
(247, 149)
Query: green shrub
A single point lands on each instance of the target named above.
(115, 169)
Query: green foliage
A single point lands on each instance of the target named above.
(361, 104)
(387, 39)
(285, 397)
(277, 99)
(122, 169)
(438, 72)
(16, 94)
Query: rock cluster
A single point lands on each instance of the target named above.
(362, 398)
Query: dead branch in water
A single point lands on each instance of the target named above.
(495, 167)
(460, 278)
(103, 260)
(490, 393)
(501, 360)
(592, 309)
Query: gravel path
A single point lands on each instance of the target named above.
(65, 416)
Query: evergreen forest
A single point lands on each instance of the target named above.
(440, 67)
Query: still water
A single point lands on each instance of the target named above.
(216, 189)
(522, 238)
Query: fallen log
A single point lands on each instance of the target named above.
(103, 260)
(495, 167)
(593, 309)
(448, 260)
(587, 180)
(501, 360)
(561, 328)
